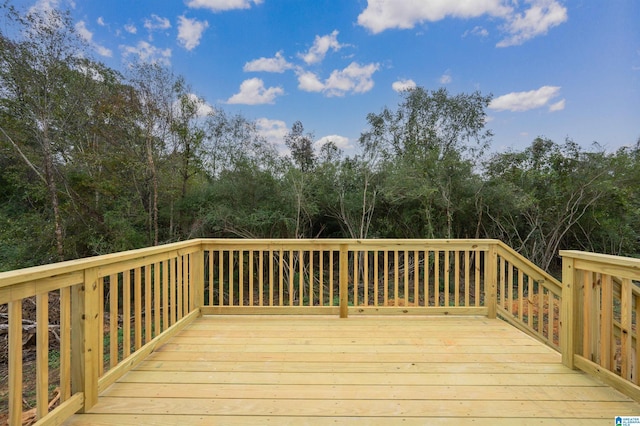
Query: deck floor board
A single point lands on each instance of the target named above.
(361, 370)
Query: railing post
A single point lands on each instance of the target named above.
(491, 285)
(197, 278)
(344, 281)
(567, 319)
(85, 339)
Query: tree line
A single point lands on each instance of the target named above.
(94, 161)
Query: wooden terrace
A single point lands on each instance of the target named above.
(331, 331)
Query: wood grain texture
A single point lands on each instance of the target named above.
(361, 370)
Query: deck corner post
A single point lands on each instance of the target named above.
(85, 359)
(491, 285)
(567, 315)
(197, 279)
(344, 281)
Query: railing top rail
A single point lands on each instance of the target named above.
(34, 273)
(627, 262)
(56, 269)
(472, 243)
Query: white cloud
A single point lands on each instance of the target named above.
(130, 28)
(321, 46)
(403, 85)
(273, 131)
(45, 6)
(477, 31)
(524, 101)
(309, 82)
(103, 51)
(190, 32)
(558, 106)
(341, 142)
(148, 53)
(523, 21)
(81, 29)
(221, 5)
(157, 23)
(355, 78)
(535, 21)
(382, 15)
(275, 64)
(87, 36)
(253, 92)
(445, 78)
(100, 21)
(203, 108)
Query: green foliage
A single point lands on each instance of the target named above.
(93, 162)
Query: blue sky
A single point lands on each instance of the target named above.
(556, 68)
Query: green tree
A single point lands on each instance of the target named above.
(541, 194)
(42, 81)
(428, 148)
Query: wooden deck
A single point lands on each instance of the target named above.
(373, 370)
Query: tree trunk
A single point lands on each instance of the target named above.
(53, 193)
(154, 201)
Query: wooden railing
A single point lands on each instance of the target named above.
(115, 309)
(528, 297)
(602, 309)
(346, 276)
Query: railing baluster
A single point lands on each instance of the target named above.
(261, 276)
(271, 281)
(344, 281)
(101, 326)
(606, 323)
(281, 277)
(165, 294)
(42, 354)
(65, 343)
(467, 277)
(241, 277)
(15, 362)
(331, 279)
(147, 303)
(376, 276)
(426, 255)
(396, 276)
(626, 313)
(385, 271)
(416, 281)
(540, 294)
(321, 277)
(113, 320)
(456, 278)
(446, 271)
(356, 272)
(520, 295)
(126, 314)
(503, 288)
(476, 287)
(300, 257)
(529, 302)
(587, 310)
(405, 290)
(436, 278)
(157, 289)
(137, 308)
